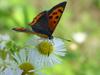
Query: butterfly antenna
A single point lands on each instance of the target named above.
(68, 40)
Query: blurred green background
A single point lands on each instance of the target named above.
(80, 23)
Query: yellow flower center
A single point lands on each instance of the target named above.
(27, 69)
(45, 48)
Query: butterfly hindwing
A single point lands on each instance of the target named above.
(55, 14)
(21, 29)
(29, 31)
(41, 26)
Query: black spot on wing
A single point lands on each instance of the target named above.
(54, 22)
(50, 17)
(56, 17)
(54, 13)
(59, 10)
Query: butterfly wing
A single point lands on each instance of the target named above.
(29, 31)
(21, 30)
(35, 20)
(40, 24)
(55, 14)
(45, 23)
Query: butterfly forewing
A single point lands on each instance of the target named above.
(35, 20)
(55, 14)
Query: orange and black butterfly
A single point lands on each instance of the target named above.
(45, 23)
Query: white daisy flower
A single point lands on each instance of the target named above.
(2, 45)
(5, 62)
(4, 37)
(45, 52)
(23, 61)
(9, 71)
(5, 65)
(3, 41)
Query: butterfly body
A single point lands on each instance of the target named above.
(45, 23)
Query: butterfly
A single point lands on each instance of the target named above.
(45, 22)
